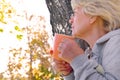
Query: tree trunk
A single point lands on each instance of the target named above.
(60, 11)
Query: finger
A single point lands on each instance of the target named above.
(66, 72)
(63, 69)
(60, 66)
(58, 61)
(60, 46)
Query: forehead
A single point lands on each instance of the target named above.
(78, 9)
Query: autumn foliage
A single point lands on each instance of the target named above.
(32, 62)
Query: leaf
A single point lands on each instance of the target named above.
(1, 30)
(17, 28)
(19, 37)
(1, 16)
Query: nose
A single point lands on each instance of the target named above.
(71, 19)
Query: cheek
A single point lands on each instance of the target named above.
(80, 25)
(76, 30)
(80, 29)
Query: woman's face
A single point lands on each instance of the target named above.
(79, 22)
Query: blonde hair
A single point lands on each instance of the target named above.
(107, 10)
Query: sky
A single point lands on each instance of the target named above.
(37, 7)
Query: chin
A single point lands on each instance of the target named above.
(75, 35)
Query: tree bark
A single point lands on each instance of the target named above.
(60, 11)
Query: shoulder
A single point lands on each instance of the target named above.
(111, 55)
(112, 47)
(114, 41)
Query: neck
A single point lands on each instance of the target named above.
(91, 40)
(94, 32)
(93, 36)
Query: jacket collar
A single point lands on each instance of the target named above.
(108, 36)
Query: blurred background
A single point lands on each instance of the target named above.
(27, 28)
(24, 40)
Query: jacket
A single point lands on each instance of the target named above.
(104, 63)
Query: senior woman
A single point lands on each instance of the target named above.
(98, 23)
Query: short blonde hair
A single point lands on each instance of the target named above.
(107, 10)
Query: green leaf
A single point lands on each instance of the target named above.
(19, 36)
(17, 28)
(1, 30)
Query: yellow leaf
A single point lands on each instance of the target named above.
(1, 30)
(17, 28)
(19, 37)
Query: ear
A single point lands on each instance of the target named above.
(92, 19)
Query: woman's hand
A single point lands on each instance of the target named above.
(62, 67)
(69, 49)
